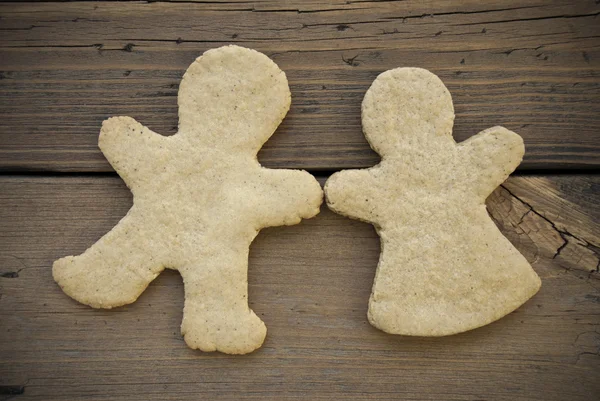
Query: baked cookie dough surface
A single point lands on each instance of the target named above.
(200, 198)
(444, 267)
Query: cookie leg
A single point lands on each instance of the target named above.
(115, 270)
(216, 316)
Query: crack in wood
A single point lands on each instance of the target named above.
(532, 19)
(595, 343)
(450, 13)
(25, 29)
(15, 274)
(351, 61)
(564, 234)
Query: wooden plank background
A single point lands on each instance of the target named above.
(532, 66)
(310, 283)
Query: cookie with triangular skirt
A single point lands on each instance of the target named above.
(199, 199)
(444, 267)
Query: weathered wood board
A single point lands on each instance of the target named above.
(310, 283)
(533, 67)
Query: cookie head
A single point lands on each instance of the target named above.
(232, 98)
(407, 108)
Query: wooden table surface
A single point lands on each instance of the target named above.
(532, 66)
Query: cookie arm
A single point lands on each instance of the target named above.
(133, 150)
(353, 193)
(491, 156)
(284, 197)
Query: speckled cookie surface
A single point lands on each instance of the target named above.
(200, 198)
(444, 266)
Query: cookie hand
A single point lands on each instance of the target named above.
(491, 156)
(354, 193)
(133, 150)
(283, 195)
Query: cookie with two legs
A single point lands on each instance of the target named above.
(199, 199)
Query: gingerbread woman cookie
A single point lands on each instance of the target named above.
(444, 267)
(199, 199)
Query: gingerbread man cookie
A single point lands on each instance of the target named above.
(444, 267)
(199, 199)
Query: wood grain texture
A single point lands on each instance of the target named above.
(310, 283)
(533, 67)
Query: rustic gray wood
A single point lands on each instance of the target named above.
(532, 66)
(310, 283)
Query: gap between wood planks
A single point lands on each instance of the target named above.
(554, 238)
(317, 172)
